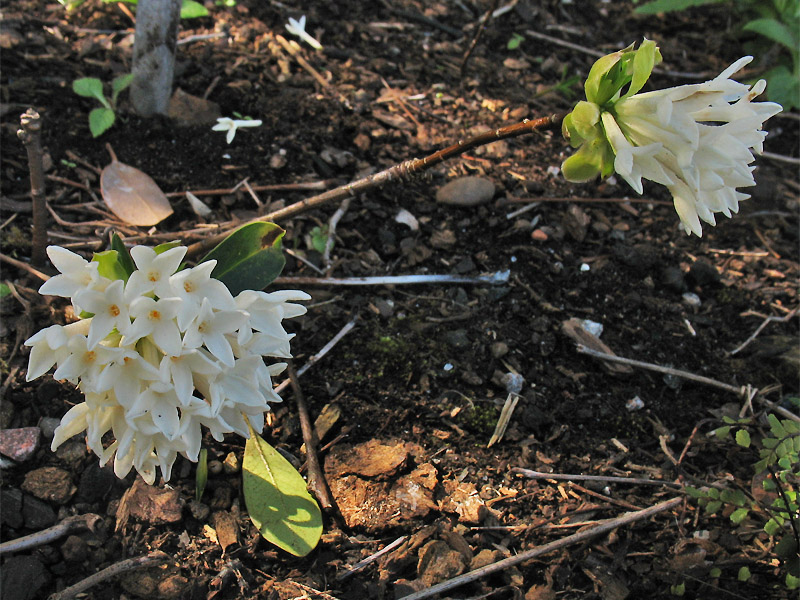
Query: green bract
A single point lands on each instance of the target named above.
(604, 86)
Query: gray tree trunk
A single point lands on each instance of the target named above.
(154, 55)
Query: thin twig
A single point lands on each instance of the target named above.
(24, 266)
(603, 478)
(397, 172)
(522, 557)
(332, 224)
(31, 136)
(325, 349)
(316, 477)
(477, 36)
(571, 200)
(308, 186)
(51, 534)
(293, 49)
(370, 559)
(494, 279)
(740, 390)
(761, 327)
(140, 562)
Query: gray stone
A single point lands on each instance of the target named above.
(95, 483)
(457, 338)
(37, 514)
(48, 426)
(11, 501)
(466, 191)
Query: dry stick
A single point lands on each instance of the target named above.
(316, 478)
(741, 390)
(332, 224)
(293, 48)
(24, 266)
(576, 538)
(308, 186)
(51, 534)
(477, 37)
(325, 349)
(605, 479)
(397, 172)
(140, 562)
(31, 136)
(583, 200)
(761, 327)
(370, 559)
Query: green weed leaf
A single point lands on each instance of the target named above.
(665, 6)
(515, 41)
(4, 290)
(119, 84)
(743, 438)
(277, 499)
(191, 10)
(90, 87)
(201, 475)
(738, 515)
(250, 258)
(774, 30)
(100, 120)
(744, 574)
(123, 256)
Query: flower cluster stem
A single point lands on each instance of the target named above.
(31, 136)
(398, 172)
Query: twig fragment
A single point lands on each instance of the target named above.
(497, 278)
(49, 535)
(576, 538)
(761, 327)
(31, 136)
(140, 562)
(370, 559)
(602, 478)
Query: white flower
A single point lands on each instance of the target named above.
(230, 125)
(193, 285)
(155, 318)
(298, 28)
(161, 358)
(153, 271)
(698, 140)
(76, 274)
(109, 309)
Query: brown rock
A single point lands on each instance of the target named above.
(19, 444)
(149, 504)
(74, 549)
(370, 459)
(50, 484)
(438, 562)
(187, 110)
(173, 587)
(463, 499)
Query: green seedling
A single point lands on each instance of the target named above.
(102, 118)
(189, 8)
(515, 41)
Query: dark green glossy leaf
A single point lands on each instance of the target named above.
(123, 255)
(250, 258)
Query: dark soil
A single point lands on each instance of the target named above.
(423, 364)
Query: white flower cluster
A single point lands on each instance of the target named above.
(695, 139)
(164, 353)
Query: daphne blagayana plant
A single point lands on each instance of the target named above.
(698, 140)
(160, 354)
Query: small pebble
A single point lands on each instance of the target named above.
(596, 329)
(692, 299)
(499, 349)
(585, 267)
(634, 403)
(214, 467)
(466, 191)
(513, 382)
(448, 367)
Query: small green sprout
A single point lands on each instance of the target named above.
(515, 41)
(102, 118)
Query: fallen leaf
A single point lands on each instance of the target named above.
(132, 195)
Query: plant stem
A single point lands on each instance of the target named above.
(31, 136)
(397, 172)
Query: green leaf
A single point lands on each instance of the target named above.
(693, 492)
(783, 87)
(713, 507)
(90, 87)
(679, 589)
(722, 432)
(100, 119)
(792, 582)
(4, 290)
(515, 41)
(250, 258)
(772, 528)
(109, 265)
(201, 475)
(715, 572)
(123, 256)
(119, 84)
(277, 499)
(161, 248)
(738, 515)
(776, 426)
(775, 31)
(191, 10)
(744, 574)
(743, 438)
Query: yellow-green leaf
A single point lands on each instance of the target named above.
(277, 499)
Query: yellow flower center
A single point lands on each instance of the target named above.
(188, 286)
(155, 315)
(153, 276)
(113, 310)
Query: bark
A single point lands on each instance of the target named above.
(154, 55)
